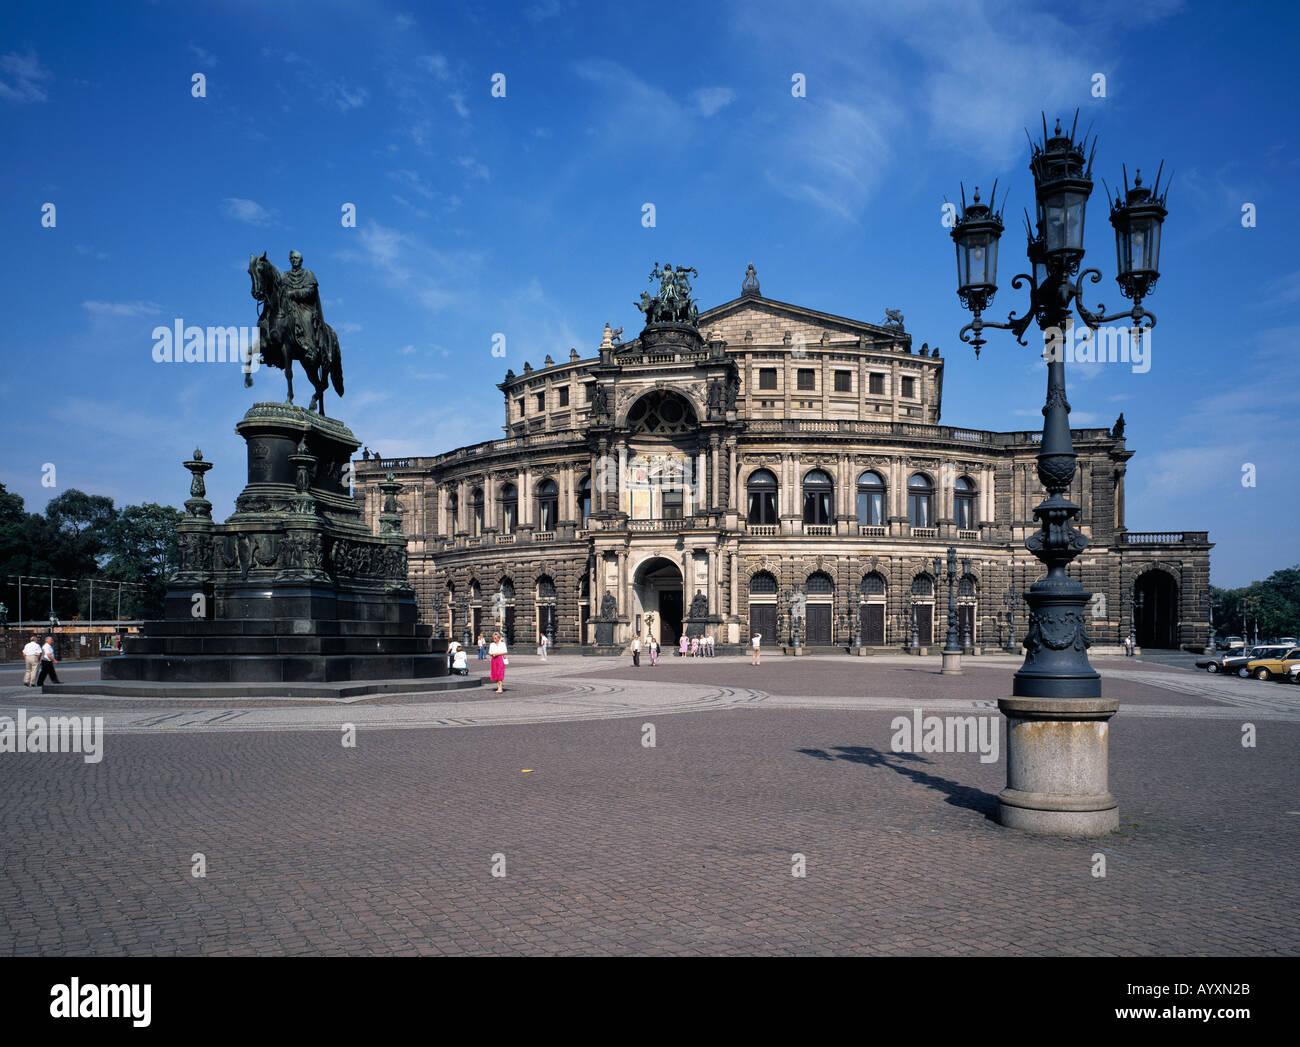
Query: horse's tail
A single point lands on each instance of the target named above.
(336, 362)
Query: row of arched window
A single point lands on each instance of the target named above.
(546, 504)
(819, 491)
(873, 584)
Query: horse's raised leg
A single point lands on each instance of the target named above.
(288, 374)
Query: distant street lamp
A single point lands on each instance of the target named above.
(1057, 762)
(951, 649)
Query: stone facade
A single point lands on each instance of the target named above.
(723, 467)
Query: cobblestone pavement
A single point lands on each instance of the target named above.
(610, 847)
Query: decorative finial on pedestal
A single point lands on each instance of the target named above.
(390, 513)
(197, 504)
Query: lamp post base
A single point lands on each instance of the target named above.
(951, 664)
(1058, 766)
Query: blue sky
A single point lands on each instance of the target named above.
(523, 214)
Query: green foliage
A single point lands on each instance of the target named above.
(80, 536)
(1274, 603)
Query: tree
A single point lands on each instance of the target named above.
(141, 547)
(1273, 605)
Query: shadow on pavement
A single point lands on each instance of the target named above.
(957, 794)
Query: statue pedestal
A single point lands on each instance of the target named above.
(292, 587)
(951, 663)
(1057, 766)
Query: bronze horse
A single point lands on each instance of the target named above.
(278, 339)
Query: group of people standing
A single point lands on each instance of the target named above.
(696, 646)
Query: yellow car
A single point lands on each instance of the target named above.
(1266, 668)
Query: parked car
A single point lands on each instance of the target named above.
(1213, 663)
(1295, 674)
(1290, 641)
(1238, 664)
(1276, 662)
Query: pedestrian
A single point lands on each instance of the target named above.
(497, 670)
(755, 644)
(482, 647)
(636, 651)
(32, 660)
(48, 662)
(1129, 645)
(541, 647)
(459, 662)
(708, 645)
(681, 647)
(695, 646)
(654, 651)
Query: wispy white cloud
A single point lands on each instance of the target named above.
(97, 308)
(23, 78)
(202, 57)
(710, 100)
(246, 211)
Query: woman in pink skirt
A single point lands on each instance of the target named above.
(497, 652)
(681, 647)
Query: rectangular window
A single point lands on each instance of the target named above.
(877, 385)
(909, 387)
(591, 391)
(767, 378)
(672, 504)
(541, 401)
(564, 396)
(843, 382)
(807, 378)
(520, 404)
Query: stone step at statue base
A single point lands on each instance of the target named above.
(200, 692)
(276, 668)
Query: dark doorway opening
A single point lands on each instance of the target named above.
(873, 624)
(670, 617)
(1155, 610)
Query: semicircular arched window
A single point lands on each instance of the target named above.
(661, 413)
(509, 508)
(761, 488)
(922, 585)
(920, 501)
(820, 584)
(818, 491)
(873, 584)
(762, 584)
(548, 505)
(871, 500)
(963, 503)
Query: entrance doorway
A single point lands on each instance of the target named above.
(1155, 610)
(657, 589)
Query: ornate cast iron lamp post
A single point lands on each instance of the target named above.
(1011, 598)
(951, 651)
(1057, 761)
(967, 640)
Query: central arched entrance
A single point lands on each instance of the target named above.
(657, 588)
(1155, 610)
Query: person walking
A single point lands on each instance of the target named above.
(636, 651)
(497, 669)
(1129, 645)
(32, 661)
(48, 662)
(482, 647)
(755, 644)
(541, 647)
(654, 651)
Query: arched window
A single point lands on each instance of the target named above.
(508, 588)
(817, 492)
(475, 592)
(873, 584)
(922, 585)
(584, 500)
(966, 585)
(661, 412)
(476, 512)
(509, 508)
(762, 497)
(548, 505)
(871, 500)
(546, 587)
(453, 508)
(820, 584)
(762, 584)
(546, 616)
(920, 501)
(964, 503)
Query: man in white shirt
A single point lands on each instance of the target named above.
(48, 661)
(755, 644)
(32, 660)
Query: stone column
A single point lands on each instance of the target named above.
(713, 475)
(734, 586)
(733, 487)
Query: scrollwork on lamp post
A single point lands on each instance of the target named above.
(1057, 713)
